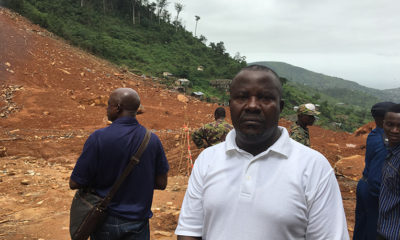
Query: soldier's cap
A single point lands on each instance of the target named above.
(379, 109)
(308, 109)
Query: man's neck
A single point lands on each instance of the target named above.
(256, 145)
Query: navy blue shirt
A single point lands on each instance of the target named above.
(375, 155)
(105, 155)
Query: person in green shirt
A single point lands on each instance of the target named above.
(305, 117)
(214, 132)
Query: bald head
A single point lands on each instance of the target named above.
(123, 102)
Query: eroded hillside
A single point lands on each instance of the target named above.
(54, 95)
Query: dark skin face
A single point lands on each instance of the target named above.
(391, 126)
(305, 120)
(255, 105)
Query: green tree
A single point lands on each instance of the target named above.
(197, 18)
(161, 5)
(178, 8)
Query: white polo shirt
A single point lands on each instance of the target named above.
(287, 192)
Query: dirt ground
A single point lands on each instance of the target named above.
(54, 95)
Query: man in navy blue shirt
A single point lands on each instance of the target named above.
(389, 197)
(368, 188)
(105, 155)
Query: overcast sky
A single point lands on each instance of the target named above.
(357, 40)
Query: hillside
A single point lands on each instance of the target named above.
(54, 95)
(153, 44)
(348, 92)
(146, 41)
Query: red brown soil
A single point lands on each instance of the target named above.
(54, 95)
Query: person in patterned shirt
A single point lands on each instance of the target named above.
(305, 117)
(389, 197)
(212, 133)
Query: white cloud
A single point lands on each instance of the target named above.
(348, 39)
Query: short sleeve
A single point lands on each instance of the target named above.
(190, 221)
(85, 169)
(326, 218)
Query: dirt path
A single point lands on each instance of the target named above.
(54, 95)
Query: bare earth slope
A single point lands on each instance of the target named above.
(54, 95)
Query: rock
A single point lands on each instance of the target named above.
(25, 182)
(182, 98)
(3, 151)
(176, 188)
(350, 167)
(64, 71)
(14, 131)
(333, 145)
(46, 113)
(163, 233)
(169, 203)
(349, 145)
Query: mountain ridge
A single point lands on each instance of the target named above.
(327, 83)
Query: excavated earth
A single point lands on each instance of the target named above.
(54, 95)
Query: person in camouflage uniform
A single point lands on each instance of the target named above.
(212, 133)
(305, 117)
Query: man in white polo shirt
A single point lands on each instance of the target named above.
(260, 184)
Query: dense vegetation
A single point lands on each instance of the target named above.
(144, 38)
(147, 42)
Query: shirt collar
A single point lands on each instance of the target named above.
(125, 120)
(281, 146)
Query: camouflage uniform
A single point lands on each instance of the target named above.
(211, 133)
(300, 134)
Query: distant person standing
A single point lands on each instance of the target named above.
(105, 155)
(368, 188)
(389, 197)
(305, 117)
(212, 133)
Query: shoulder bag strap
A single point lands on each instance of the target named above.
(133, 162)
